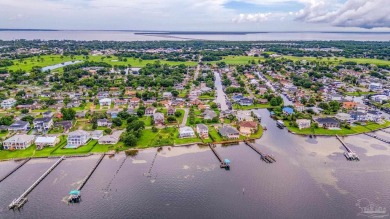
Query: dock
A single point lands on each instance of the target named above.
(376, 137)
(350, 155)
(223, 163)
(19, 202)
(265, 157)
(385, 131)
(91, 172)
(14, 170)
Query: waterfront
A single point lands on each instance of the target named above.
(130, 36)
(311, 179)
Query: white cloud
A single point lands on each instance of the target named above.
(258, 17)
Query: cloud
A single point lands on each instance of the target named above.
(258, 17)
(353, 13)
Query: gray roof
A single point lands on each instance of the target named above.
(44, 119)
(202, 127)
(19, 123)
(226, 130)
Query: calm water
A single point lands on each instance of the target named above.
(52, 67)
(311, 179)
(130, 36)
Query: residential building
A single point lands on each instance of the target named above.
(19, 126)
(328, 122)
(77, 138)
(186, 132)
(43, 124)
(209, 114)
(248, 127)
(303, 123)
(374, 116)
(244, 115)
(158, 118)
(202, 130)
(105, 102)
(18, 142)
(349, 105)
(43, 141)
(150, 111)
(167, 95)
(379, 98)
(229, 132)
(358, 116)
(299, 107)
(104, 122)
(48, 114)
(344, 117)
(245, 102)
(97, 134)
(375, 86)
(110, 139)
(8, 103)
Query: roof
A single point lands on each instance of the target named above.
(158, 116)
(327, 120)
(185, 129)
(248, 124)
(19, 123)
(42, 139)
(44, 119)
(226, 130)
(202, 126)
(20, 138)
(78, 133)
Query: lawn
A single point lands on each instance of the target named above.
(179, 141)
(163, 137)
(358, 94)
(147, 120)
(214, 135)
(238, 60)
(258, 134)
(254, 106)
(80, 150)
(48, 60)
(102, 148)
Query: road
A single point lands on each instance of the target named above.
(197, 68)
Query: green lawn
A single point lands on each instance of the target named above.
(238, 60)
(358, 94)
(259, 133)
(80, 150)
(147, 120)
(254, 106)
(179, 141)
(163, 137)
(214, 135)
(48, 60)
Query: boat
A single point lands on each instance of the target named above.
(74, 196)
(280, 124)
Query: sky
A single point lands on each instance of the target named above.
(197, 15)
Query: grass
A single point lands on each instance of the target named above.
(179, 141)
(49, 60)
(258, 134)
(238, 60)
(147, 120)
(358, 94)
(80, 150)
(214, 135)
(163, 137)
(254, 106)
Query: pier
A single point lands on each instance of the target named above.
(385, 131)
(14, 170)
(223, 163)
(376, 137)
(91, 172)
(265, 157)
(19, 202)
(350, 155)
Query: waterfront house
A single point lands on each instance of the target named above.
(303, 123)
(97, 134)
(150, 111)
(104, 122)
(111, 139)
(328, 122)
(18, 142)
(248, 127)
(228, 132)
(374, 116)
(358, 116)
(77, 138)
(186, 132)
(379, 98)
(105, 102)
(158, 118)
(202, 130)
(43, 124)
(245, 102)
(19, 126)
(244, 115)
(8, 103)
(42, 141)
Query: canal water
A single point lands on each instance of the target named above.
(311, 179)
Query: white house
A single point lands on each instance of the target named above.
(42, 141)
(77, 138)
(43, 124)
(111, 139)
(379, 98)
(202, 130)
(8, 103)
(105, 102)
(96, 134)
(104, 122)
(375, 86)
(303, 123)
(167, 95)
(186, 132)
(18, 142)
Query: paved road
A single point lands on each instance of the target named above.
(186, 111)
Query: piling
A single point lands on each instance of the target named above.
(265, 157)
(14, 170)
(223, 163)
(350, 155)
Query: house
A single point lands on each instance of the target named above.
(8, 103)
(43, 124)
(104, 122)
(202, 130)
(43, 141)
(374, 116)
(113, 113)
(358, 116)
(134, 101)
(244, 115)
(103, 95)
(299, 107)
(19, 126)
(81, 114)
(344, 117)
(303, 123)
(186, 132)
(349, 105)
(209, 114)
(167, 95)
(263, 101)
(18, 142)
(158, 118)
(375, 86)
(77, 138)
(229, 132)
(120, 102)
(336, 97)
(288, 110)
(110, 139)
(97, 134)
(131, 111)
(171, 111)
(245, 102)
(150, 111)
(328, 122)
(237, 97)
(248, 127)
(48, 114)
(105, 102)
(66, 125)
(379, 98)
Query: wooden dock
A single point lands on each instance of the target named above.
(265, 157)
(376, 137)
(350, 155)
(14, 170)
(223, 164)
(19, 202)
(90, 173)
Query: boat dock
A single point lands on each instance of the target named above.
(350, 155)
(19, 202)
(91, 172)
(385, 131)
(376, 137)
(265, 157)
(14, 170)
(223, 163)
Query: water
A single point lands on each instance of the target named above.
(311, 179)
(52, 67)
(130, 36)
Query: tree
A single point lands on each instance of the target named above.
(140, 112)
(28, 119)
(178, 114)
(6, 120)
(154, 129)
(175, 93)
(68, 113)
(117, 122)
(107, 131)
(171, 119)
(129, 139)
(24, 111)
(123, 115)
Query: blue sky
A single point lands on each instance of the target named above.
(207, 15)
